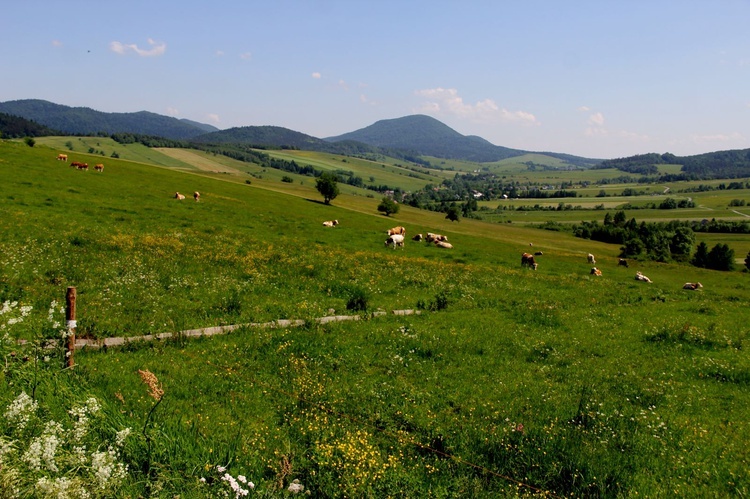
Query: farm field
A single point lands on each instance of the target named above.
(508, 383)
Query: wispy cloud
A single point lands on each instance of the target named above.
(342, 84)
(448, 101)
(718, 138)
(213, 118)
(157, 48)
(596, 119)
(171, 111)
(316, 75)
(219, 53)
(246, 56)
(57, 43)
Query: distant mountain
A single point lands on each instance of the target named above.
(83, 120)
(429, 137)
(16, 127)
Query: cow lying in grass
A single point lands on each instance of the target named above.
(641, 277)
(330, 223)
(694, 286)
(596, 272)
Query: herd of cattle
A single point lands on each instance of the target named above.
(397, 236)
(78, 165)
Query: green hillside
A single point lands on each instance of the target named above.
(510, 382)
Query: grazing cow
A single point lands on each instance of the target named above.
(443, 244)
(197, 196)
(179, 196)
(538, 253)
(330, 223)
(82, 166)
(431, 238)
(641, 277)
(75, 164)
(418, 237)
(395, 240)
(596, 272)
(397, 230)
(527, 260)
(622, 262)
(591, 259)
(99, 167)
(694, 286)
(62, 157)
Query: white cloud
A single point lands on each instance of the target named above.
(366, 100)
(171, 111)
(122, 48)
(447, 101)
(343, 85)
(584, 109)
(719, 137)
(246, 56)
(56, 43)
(316, 75)
(213, 118)
(219, 53)
(596, 119)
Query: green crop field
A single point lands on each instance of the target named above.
(509, 382)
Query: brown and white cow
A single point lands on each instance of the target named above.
(62, 157)
(694, 286)
(99, 167)
(82, 166)
(590, 258)
(596, 272)
(527, 260)
(418, 237)
(443, 244)
(397, 230)
(197, 196)
(179, 196)
(431, 238)
(330, 223)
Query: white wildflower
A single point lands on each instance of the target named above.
(121, 436)
(107, 470)
(20, 410)
(295, 487)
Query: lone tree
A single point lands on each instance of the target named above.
(328, 187)
(454, 213)
(388, 206)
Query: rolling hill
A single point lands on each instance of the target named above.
(86, 121)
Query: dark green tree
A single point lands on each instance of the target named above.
(328, 187)
(682, 243)
(633, 247)
(608, 219)
(453, 213)
(620, 218)
(388, 206)
(700, 259)
(747, 261)
(30, 141)
(721, 257)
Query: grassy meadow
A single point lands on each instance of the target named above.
(508, 383)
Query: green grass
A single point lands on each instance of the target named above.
(552, 381)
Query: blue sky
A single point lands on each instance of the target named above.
(600, 79)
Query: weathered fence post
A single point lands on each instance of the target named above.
(70, 324)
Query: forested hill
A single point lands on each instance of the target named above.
(429, 137)
(15, 127)
(721, 164)
(86, 121)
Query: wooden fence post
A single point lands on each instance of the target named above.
(70, 324)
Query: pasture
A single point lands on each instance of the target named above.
(510, 382)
